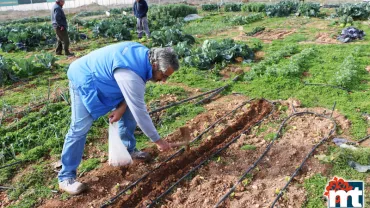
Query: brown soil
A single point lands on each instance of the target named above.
(368, 69)
(267, 36)
(159, 180)
(259, 55)
(235, 33)
(96, 194)
(232, 69)
(215, 179)
(4, 201)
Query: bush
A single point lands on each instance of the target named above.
(242, 20)
(255, 30)
(173, 10)
(253, 7)
(233, 7)
(295, 67)
(260, 69)
(212, 52)
(168, 15)
(309, 9)
(359, 11)
(27, 20)
(210, 7)
(347, 73)
(168, 36)
(282, 9)
(113, 28)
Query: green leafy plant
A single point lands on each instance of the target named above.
(274, 58)
(170, 36)
(243, 20)
(253, 7)
(255, 30)
(347, 75)
(309, 9)
(248, 147)
(282, 9)
(210, 7)
(212, 52)
(233, 7)
(182, 49)
(356, 10)
(47, 60)
(112, 28)
(295, 66)
(6, 73)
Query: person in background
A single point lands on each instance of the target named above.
(112, 78)
(59, 21)
(140, 11)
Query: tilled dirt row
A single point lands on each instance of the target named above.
(160, 180)
(259, 190)
(106, 181)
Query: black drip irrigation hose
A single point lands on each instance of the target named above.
(6, 187)
(328, 85)
(155, 201)
(364, 139)
(11, 164)
(207, 99)
(182, 101)
(214, 93)
(278, 133)
(113, 199)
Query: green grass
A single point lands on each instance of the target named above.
(32, 186)
(315, 187)
(316, 184)
(172, 119)
(207, 25)
(322, 69)
(196, 78)
(89, 164)
(40, 134)
(269, 136)
(248, 147)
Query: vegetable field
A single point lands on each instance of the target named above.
(265, 90)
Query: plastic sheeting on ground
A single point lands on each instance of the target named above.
(350, 34)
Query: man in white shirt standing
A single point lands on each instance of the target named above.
(112, 77)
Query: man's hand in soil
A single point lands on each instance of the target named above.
(162, 145)
(116, 115)
(61, 28)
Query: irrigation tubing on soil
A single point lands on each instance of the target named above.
(207, 99)
(328, 85)
(278, 133)
(363, 139)
(214, 93)
(113, 199)
(11, 164)
(183, 101)
(155, 201)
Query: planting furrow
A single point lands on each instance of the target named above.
(160, 179)
(279, 160)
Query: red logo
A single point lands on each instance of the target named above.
(337, 184)
(338, 191)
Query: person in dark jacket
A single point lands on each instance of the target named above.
(59, 22)
(140, 10)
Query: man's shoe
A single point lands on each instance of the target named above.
(140, 155)
(69, 54)
(58, 54)
(72, 187)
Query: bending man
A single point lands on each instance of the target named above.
(110, 78)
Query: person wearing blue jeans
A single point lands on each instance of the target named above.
(112, 78)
